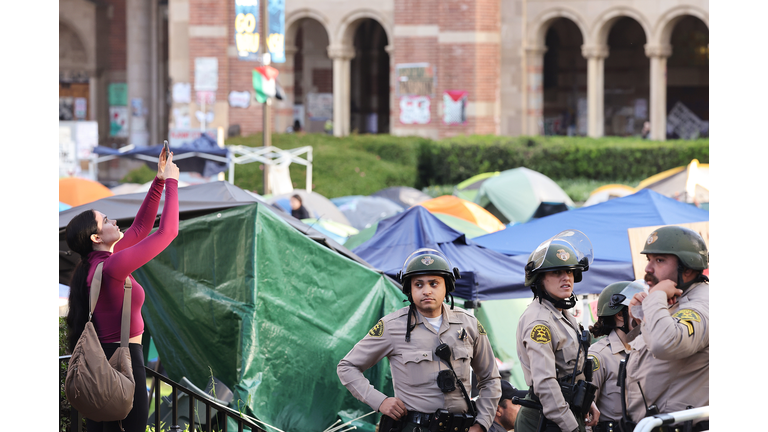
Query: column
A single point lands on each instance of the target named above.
(341, 56)
(138, 49)
(595, 55)
(658, 103)
(390, 49)
(534, 89)
(284, 109)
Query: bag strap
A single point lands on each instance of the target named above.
(125, 322)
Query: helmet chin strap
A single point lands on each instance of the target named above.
(685, 285)
(558, 303)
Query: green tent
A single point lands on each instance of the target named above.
(242, 296)
(468, 188)
(515, 194)
(500, 317)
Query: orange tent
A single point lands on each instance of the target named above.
(469, 211)
(77, 191)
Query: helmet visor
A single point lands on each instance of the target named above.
(630, 290)
(573, 239)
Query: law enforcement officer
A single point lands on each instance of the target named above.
(415, 339)
(506, 412)
(668, 369)
(606, 354)
(551, 345)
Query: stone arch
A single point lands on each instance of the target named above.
(603, 24)
(345, 31)
(666, 23)
(538, 31)
(73, 52)
(294, 17)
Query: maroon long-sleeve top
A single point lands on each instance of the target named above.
(135, 249)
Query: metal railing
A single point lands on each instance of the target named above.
(648, 423)
(194, 400)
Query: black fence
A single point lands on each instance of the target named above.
(183, 409)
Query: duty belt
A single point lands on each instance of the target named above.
(418, 418)
(606, 426)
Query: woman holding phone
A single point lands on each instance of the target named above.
(97, 239)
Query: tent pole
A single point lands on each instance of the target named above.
(267, 136)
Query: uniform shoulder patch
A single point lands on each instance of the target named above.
(595, 362)
(687, 317)
(377, 330)
(481, 329)
(541, 334)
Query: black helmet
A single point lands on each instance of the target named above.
(428, 261)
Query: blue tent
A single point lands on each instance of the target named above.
(485, 274)
(606, 225)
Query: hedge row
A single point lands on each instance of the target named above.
(453, 160)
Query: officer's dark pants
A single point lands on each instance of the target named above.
(528, 421)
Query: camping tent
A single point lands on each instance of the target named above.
(515, 195)
(364, 211)
(468, 188)
(686, 183)
(461, 208)
(485, 274)
(75, 191)
(403, 196)
(318, 206)
(194, 200)
(243, 296)
(606, 225)
(607, 192)
(463, 226)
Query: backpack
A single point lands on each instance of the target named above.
(101, 389)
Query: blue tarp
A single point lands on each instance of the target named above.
(606, 225)
(199, 164)
(485, 274)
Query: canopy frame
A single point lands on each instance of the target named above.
(240, 154)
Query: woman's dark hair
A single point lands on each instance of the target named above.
(298, 198)
(603, 326)
(78, 234)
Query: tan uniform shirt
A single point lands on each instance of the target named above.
(670, 359)
(415, 366)
(547, 346)
(606, 354)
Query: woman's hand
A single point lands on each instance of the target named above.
(161, 164)
(170, 170)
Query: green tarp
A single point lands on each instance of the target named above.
(241, 295)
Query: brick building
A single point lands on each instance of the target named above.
(433, 68)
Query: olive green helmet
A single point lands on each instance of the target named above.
(686, 244)
(428, 261)
(611, 299)
(569, 250)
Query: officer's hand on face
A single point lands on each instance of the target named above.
(593, 416)
(636, 300)
(393, 408)
(669, 288)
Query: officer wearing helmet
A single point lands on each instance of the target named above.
(606, 354)
(551, 345)
(432, 350)
(668, 369)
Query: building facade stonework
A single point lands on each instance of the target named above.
(434, 68)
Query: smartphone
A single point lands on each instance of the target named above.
(166, 149)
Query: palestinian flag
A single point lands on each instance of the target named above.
(264, 82)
